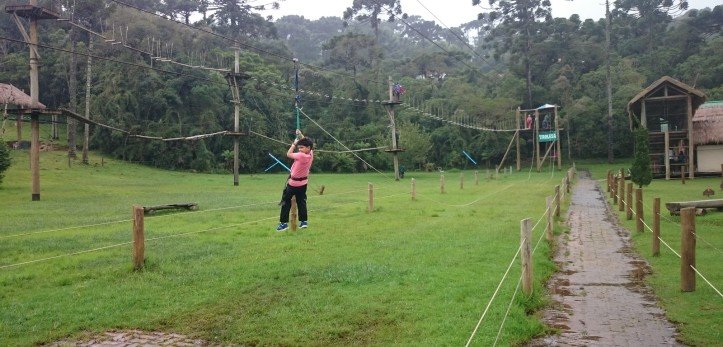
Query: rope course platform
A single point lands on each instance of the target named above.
(31, 11)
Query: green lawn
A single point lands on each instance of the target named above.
(411, 272)
(698, 314)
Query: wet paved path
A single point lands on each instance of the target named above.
(599, 294)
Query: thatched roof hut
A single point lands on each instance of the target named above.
(9, 94)
(708, 123)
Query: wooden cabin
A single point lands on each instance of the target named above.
(708, 137)
(666, 108)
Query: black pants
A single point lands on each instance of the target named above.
(300, 194)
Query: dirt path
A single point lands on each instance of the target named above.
(600, 298)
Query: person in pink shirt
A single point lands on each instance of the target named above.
(297, 182)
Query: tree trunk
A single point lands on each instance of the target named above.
(73, 92)
(86, 131)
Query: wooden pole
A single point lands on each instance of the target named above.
(557, 137)
(691, 145)
(34, 105)
(371, 197)
(476, 177)
(526, 256)
(610, 175)
(557, 201)
(88, 80)
(614, 190)
(666, 138)
(682, 174)
(629, 201)
(293, 219)
(535, 139)
(517, 139)
(236, 116)
(639, 218)
(414, 189)
(548, 228)
(138, 238)
(461, 180)
(656, 227)
(441, 183)
(390, 111)
(687, 249)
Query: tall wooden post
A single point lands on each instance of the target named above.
(610, 175)
(557, 141)
(536, 140)
(557, 201)
(476, 177)
(656, 227)
(639, 218)
(390, 111)
(517, 138)
(139, 246)
(34, 105)
(88, 79)
(614, 190)
(621, 199)
(236, 116)
(526, 255)
(666, 141)
(691, 146)
(461, 180)
(441, 183)
(687, 249)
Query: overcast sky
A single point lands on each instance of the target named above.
(450, 12)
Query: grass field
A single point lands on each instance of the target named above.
(699, 314)
(410, 272)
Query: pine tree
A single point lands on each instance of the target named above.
(4, 158)
(641, 172)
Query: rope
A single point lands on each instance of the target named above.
(706, 280)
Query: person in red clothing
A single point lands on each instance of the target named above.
(297, 182)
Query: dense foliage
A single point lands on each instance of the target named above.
(4, 159)
(641, 173)
(470, 76)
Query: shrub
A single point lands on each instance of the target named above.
(4, 158)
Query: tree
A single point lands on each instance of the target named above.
(517, 30)
(4, 159)
(352, 51)
(363, 10)
(641, 173)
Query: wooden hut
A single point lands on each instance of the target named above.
(11, 95)
(708, 137)
(666, 109)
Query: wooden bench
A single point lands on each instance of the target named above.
(701, 206)
(191, 206)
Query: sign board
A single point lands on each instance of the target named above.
(548, 136)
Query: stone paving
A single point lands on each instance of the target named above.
(599, 294)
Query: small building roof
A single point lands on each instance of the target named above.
(634, 104)
(9, 94)
(708, 123)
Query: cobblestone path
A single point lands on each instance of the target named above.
(600, 298)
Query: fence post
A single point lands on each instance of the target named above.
(461, 180)
(371, 197)
(610, 175)
(639, 210)
(476, 177)
(414, 189)
(682, 174)
(294, 214)
(629, 201)
(656, 226)
(526, 255)
(614, 191)
(441, 184)
(621, 199)
(139, 246)
(557, 201)
(548, 228)
(687, 249)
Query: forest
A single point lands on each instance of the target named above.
(159, 69)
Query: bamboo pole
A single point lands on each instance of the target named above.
(687, 249)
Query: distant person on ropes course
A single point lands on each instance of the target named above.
(298, 180)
